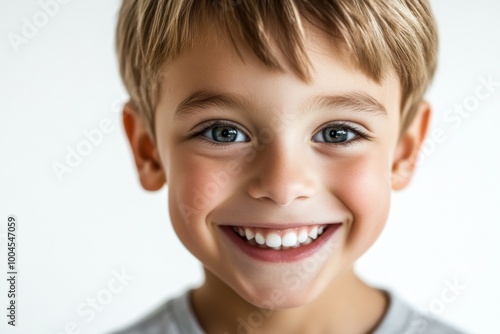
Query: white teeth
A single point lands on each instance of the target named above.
(302, 236)
(249, 234)
(321, 229)
(314, 232)
(259, 238)
(273, 240)
(290, 239)
(308, 241)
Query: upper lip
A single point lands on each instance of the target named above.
(277, 225)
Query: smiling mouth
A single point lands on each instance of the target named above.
(280, 239)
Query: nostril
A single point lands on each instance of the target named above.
(284, 186)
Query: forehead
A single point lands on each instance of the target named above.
(214, 65)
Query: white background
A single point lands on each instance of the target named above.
(74, 233)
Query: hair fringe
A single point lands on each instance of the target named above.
(378, 34)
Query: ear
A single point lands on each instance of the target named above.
(147, 159)
(408, 147)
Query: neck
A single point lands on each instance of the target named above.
(347, 305)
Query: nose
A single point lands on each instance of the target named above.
(282, 174)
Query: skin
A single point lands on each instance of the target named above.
(278, 175)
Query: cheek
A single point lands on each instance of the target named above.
(364, 190)
(193, 184)
(196, 186)
(195, 181)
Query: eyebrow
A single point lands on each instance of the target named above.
(203, 99)
(353, 101)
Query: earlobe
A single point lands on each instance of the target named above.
(408, 147)
(147, 159)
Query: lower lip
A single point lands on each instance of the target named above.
(284, 255)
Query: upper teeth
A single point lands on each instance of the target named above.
(281, 238)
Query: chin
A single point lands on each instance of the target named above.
(280, 298)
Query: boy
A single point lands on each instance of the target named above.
(280, 128)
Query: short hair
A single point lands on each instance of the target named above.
(378, 34)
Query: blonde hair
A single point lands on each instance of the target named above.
(379, 34)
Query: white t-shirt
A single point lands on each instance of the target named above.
(176, 316)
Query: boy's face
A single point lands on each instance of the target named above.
(278, 166)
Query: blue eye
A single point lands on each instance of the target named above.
(222, 132)
(336, 134)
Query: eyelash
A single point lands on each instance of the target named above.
(360, 134)
(211, 125)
